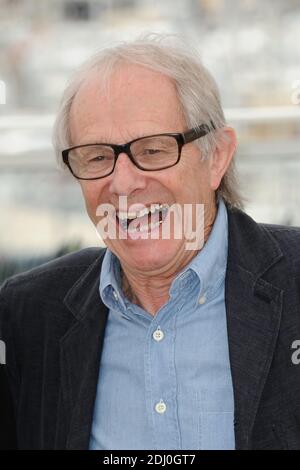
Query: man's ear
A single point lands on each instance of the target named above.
(222, 156)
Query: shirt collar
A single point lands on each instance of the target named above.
(209, 266)
(110, 287)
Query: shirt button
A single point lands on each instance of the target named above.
(158, 335)
(202, 299)
(160, 407)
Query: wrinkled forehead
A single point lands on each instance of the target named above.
(132, 93)
(126, 81)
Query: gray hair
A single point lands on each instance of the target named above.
(196, 89)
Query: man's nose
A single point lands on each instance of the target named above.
(126, 177)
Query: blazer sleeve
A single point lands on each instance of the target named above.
(8, 378)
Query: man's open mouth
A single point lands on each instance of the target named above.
(144, 220)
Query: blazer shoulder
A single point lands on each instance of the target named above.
(282, 233)
(273, 228)
(62, 271)
(288, 239)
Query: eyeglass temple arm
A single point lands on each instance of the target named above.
(197, 132)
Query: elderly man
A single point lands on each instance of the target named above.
(154, 343)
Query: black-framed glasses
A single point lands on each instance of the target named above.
(150, 153)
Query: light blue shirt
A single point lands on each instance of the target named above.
(165, 381)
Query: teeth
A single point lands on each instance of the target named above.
(131, 215)
(145, 228)
(155, 207)
(141, 213)
(123, 216)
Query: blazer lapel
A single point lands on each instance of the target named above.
(253, 308)
(81, 349)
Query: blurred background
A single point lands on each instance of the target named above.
(252, 47)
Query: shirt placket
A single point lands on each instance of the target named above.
(161, 380)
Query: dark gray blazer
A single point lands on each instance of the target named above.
(53, 323)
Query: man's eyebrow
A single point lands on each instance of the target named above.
(110, 141)
(92, 141)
